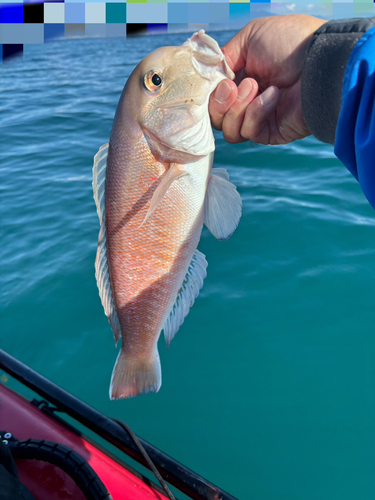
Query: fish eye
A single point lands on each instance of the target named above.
(153, 80)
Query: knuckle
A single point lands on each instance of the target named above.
(232, 138)
(216, 120)
(231, 128)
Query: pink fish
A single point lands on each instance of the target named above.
(154, 189)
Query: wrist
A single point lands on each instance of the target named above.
(323, 72)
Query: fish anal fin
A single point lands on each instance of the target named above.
(189, 291)
(222, 205)
(174, 172)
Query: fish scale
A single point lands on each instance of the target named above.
(158, 180)
(168, 240)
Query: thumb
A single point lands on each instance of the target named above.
(235, 52)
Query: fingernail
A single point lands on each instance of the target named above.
(267, 96)
(222, 92)
(244, 89)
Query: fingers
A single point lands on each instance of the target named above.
(242, 115)
(233, 118)
(259, 124)
(220, 101)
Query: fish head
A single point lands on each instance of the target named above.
(174, 85)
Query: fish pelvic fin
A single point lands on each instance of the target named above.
(174, 172)
(189, 291)
(135, 375)
(101, 263)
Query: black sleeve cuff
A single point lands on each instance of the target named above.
(323, 73)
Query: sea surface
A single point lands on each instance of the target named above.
(269, 386)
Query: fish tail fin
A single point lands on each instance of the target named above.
(132, 376)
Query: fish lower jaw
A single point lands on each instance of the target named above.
(166, 153)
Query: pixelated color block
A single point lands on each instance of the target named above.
(219, 12)
(1, 54)
(75, 30)
(342, 10)
(157, 29)
(52, 31)
(363, 9)
(147, 13)
(11, 13)
(259, 10)
(116, 30)
(193, 27)
(136, 29)
(95, 13)
(178, 13)
(178, 27)
(239, 11)
(54, 13)
(33, 34)
(96, 30)
(198, 13)
(116, 13)
(11, 33)
(74, 13)
(11, 50)
(33, 13)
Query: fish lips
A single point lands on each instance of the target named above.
(208, 59)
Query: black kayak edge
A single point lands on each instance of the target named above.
(179, 476)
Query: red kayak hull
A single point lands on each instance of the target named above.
(47, 482)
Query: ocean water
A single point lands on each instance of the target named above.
(268, 387)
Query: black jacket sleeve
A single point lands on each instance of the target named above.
(323, 73)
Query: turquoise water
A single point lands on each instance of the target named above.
(268, 387)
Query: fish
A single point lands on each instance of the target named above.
(154, 187)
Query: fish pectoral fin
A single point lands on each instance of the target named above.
(174, 172)
(222, 205)
(189, 291)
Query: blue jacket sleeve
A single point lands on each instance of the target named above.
(338, 94)
(355, 132)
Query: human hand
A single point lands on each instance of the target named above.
(267, 56)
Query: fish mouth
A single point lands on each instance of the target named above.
(208, 58)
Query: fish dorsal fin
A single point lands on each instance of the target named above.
(101, 264)
(174, 172)
(189, 291)
(222, 205)
(98, 179)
